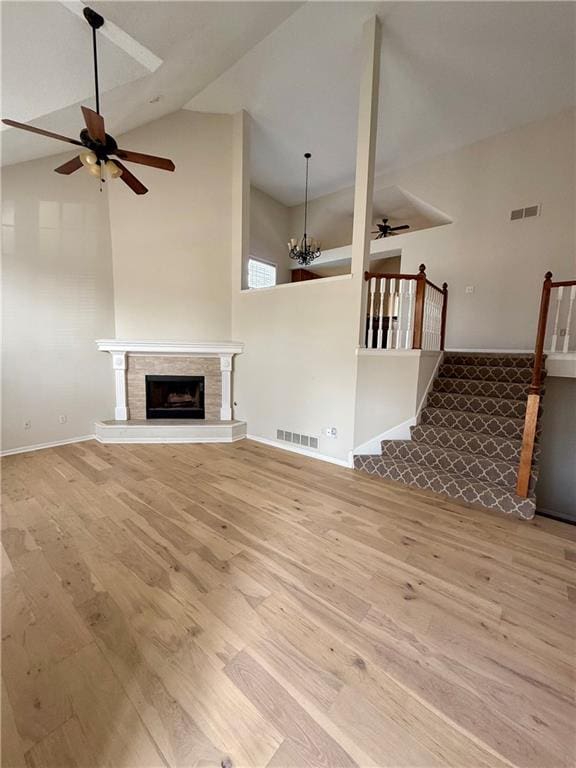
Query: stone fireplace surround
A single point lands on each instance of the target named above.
(133, 360)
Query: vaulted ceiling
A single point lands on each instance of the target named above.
(452, 73)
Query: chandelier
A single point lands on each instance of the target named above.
(308, 249)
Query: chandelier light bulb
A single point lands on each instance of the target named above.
(94, 170)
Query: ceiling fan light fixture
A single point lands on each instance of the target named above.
(113, 170)
(94, 170)
(88, 158)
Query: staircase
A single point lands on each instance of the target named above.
(468, 441)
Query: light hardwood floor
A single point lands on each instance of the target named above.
(179, 605)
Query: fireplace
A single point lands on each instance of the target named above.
(175, 397)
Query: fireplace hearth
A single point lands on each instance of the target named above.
(175, 397)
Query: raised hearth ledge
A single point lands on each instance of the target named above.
(119, 348)
(170, 431)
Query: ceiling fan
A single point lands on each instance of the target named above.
(97, 145)
(384, 229)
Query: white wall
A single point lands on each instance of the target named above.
(298, 368)
(269, 233)
(172, 247)
(477, 186)
(390, 388)
(57, 299)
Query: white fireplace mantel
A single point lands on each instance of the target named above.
(119, 348)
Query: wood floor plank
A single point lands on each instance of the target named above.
(184, 605)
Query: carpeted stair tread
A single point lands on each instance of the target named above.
(468, 440)
(487, 358)
(486, 373)
(504, 390)
(491, 406)
(501, 448)
(483, 468)
(455, 487)
(499, 426)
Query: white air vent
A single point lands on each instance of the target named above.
(297, 439)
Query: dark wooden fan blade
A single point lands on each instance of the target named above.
(131, 180)
(137, 157)
(94, 124)
(70, 166)
(49, 134)
(402, 226)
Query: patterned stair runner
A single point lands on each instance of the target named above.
(467, 443)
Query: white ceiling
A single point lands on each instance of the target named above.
(452, 73)
(47, 62)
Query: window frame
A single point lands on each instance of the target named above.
(267, 264)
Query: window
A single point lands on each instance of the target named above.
(261, 274)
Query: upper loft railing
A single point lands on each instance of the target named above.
(560, 335)
(405, 311)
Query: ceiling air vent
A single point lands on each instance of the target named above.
(517, 214)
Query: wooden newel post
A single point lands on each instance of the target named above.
(443, 320)
(419, 307)
(533, 403)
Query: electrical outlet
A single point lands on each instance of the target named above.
(63, 419)
(331, 432)
(27, 424)
(469, 289)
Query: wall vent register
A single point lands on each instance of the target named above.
(307, 441)
(525, 213)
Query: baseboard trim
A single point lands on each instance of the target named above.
(167, 440)
(492, 350)
(302, 451)
(554, 516)
(43, 446)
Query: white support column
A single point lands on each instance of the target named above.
(226, 371)
(119, 365)
(240, 201)
(365, 155)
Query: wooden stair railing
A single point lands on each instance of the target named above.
(405, 311)
(535, 389)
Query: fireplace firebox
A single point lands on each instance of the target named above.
(174, 397)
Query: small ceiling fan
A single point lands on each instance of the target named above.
(97, 145)
(384, 229)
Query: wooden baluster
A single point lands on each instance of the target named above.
(379, 341)
(370, 342)
(419, 307)
(390, 332)
(531, 418)
(410, 314)
(401, 342)
(443, 320)
(566, 345)
(559, 295)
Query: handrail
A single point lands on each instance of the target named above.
(436, 314)
(534, 391)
